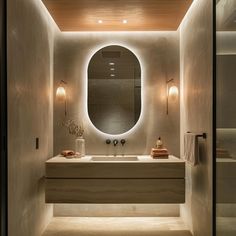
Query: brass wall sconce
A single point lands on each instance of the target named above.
(172, 93)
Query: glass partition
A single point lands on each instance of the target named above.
(225, 153)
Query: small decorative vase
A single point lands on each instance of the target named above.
(80, 146)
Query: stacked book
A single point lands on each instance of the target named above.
(159, 153)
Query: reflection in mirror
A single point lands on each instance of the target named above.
(114, 90)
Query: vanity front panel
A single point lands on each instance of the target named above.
(115, 191)
(144, 180)
(116, 170)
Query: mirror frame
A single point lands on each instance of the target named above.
(137, 124)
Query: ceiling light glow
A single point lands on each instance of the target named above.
(112, 75)
(100, 21)
(125, 21)
(111, 63)
(112, 69)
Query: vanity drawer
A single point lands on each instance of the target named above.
(115, 190)
(117, 170)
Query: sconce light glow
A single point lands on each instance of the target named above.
(61, 94)
(173, 93)
(125, 21)
(100, 21)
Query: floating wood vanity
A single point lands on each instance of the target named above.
(140, 181)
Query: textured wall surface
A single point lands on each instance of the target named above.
(196, 112)
(158, 53)
(30, 102)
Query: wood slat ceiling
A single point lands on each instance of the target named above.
(142, 15)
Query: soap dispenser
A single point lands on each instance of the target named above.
(159, 143)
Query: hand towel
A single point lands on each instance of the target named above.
(191, 148)
(66, 153)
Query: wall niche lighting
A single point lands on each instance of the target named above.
(172, 93)
(61, 93)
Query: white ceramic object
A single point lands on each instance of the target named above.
(80, 146)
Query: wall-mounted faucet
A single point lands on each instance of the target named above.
(122, 141)
(108, 141)
(115, 142)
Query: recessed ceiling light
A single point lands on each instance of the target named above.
(111, 63)
(112, 68)
(112, 75)
(125, 21)
(100, 21)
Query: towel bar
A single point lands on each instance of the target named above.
(203, 135)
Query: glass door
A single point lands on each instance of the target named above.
(225, 153)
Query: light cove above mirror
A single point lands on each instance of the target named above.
(114, 90)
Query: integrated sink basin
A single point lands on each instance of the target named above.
(107, 158)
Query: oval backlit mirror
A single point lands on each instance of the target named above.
(114, 90)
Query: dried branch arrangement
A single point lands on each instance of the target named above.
(73, 128)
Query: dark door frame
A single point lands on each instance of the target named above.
(214, 77)
(3, 119)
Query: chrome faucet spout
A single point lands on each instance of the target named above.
(115, 142)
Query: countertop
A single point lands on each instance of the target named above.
(87, 158)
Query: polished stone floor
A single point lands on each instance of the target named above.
(116, 226)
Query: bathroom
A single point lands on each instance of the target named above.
(183, 56)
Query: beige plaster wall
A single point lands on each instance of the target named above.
(30, 114)
(196, 112)
(158, 53)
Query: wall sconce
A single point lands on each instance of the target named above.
(172, 93)
(61, 93)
